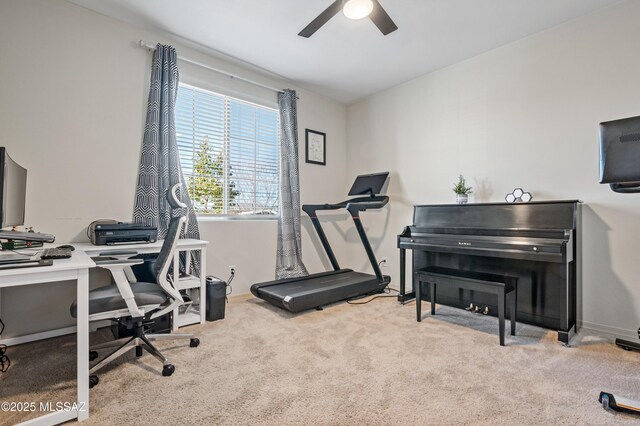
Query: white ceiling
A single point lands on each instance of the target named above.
(346, 59)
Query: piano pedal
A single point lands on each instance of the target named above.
(477, 310)
(471, 308)
(486, 310)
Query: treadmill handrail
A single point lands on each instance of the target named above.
(311, 209)
(372, 202)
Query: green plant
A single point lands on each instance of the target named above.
(461, 187)
(206, 186)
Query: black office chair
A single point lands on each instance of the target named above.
(135, 304)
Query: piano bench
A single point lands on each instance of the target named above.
(503, 286)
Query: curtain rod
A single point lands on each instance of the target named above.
(150, 48)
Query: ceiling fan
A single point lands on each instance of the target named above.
(353, 9)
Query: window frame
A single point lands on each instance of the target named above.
(206, 217)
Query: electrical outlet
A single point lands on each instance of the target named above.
(232, 269)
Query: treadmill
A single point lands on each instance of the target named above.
(317, 290)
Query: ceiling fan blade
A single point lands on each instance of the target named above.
(382, 20)
(322, 19)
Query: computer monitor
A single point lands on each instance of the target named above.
(620, 151)
(13, 188)
(369, 184)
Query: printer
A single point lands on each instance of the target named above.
(111, 232)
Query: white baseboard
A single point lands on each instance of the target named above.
(18, 340)
(608, 330)
(11, 341)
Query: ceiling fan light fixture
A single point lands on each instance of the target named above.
(357, 9)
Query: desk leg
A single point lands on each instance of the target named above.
(203, 285)
(83, 344)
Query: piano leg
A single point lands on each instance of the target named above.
(513, 300)
(433, 297)
(565, 336)
(566, 323)
(501, 305)
(407, 297)
(404, 297)
(418, 303)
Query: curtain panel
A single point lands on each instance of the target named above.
(159, 160)
(289, 255)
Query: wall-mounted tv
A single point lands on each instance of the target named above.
(620, 154)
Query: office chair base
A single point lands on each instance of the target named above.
(139, 342)
(107, 345)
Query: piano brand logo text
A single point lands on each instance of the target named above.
(463, 243)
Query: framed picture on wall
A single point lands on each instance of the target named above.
(315, 147)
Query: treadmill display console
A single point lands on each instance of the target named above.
(369, 184)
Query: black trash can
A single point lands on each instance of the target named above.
(216, 298)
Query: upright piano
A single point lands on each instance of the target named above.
(538, 242)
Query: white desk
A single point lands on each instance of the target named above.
(192, 282)
(76, 268)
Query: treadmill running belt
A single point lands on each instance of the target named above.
(318, 289)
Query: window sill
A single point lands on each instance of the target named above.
(240, 218)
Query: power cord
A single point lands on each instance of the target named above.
(5, 362)
(387, 290)
(229, 289)
(21, 254)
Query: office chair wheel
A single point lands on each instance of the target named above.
(93, 355)
(194, 343)
(138, 351)
(93, 380)
(168, 370)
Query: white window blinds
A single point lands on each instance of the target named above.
(229, 153)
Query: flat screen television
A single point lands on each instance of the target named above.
(369, 184)
(13, 189)
(620, 153)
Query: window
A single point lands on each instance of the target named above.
(229, 153)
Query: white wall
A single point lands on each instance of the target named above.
(73, 91)
(523, 115)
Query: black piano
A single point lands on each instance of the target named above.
(539, 242)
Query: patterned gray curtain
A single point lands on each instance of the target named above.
(159, 161)
(289, 256)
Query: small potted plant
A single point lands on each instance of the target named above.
(462, 190)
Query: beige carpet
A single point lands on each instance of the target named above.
(370, 364)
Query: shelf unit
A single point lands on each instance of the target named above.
(195, 287)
